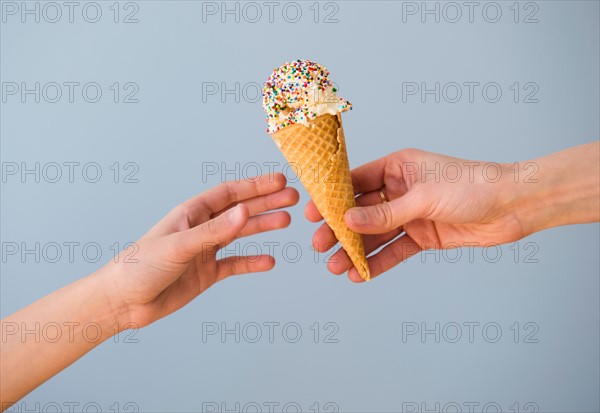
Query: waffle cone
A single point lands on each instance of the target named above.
(318, 154)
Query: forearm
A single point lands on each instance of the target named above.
(47, 336)
(564, 190)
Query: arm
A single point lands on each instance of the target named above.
(29, 359)
(175, 262)
(437, 202)
(567, 191)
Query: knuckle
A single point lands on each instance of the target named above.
(270, 204)
(179, 211)
(234, 266)
(260, 225)
(409, 153)
(212, 226)
(183, 213)
(230, 190)
(384, 215)
(239, 265)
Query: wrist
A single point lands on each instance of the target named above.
(559, 189)
(116, 309)
(531, 197)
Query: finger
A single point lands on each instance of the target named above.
(340, 262)
(387, 216)
(222, 196)
(369, 177)
(280, 199)
(371, 198)
(243, 265)
(312, 213)
(208, 237)
(392, 255)
(324, 239)
(265, 222)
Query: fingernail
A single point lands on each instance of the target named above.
(233, 214)
(358, 216)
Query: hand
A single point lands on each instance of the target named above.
(176, 260)
(167, 268)
(435, 202)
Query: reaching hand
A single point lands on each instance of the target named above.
(167, 268)
(176, 260)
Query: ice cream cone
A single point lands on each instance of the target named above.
(317, 152)
(303, 117)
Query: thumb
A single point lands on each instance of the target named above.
(384, 217)
(209, 236)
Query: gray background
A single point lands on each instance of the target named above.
(370, 51)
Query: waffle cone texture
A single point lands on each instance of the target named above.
(318, 154)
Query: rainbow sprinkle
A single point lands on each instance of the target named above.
(298, 92)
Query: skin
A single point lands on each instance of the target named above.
(445, 209)
(175, 262)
